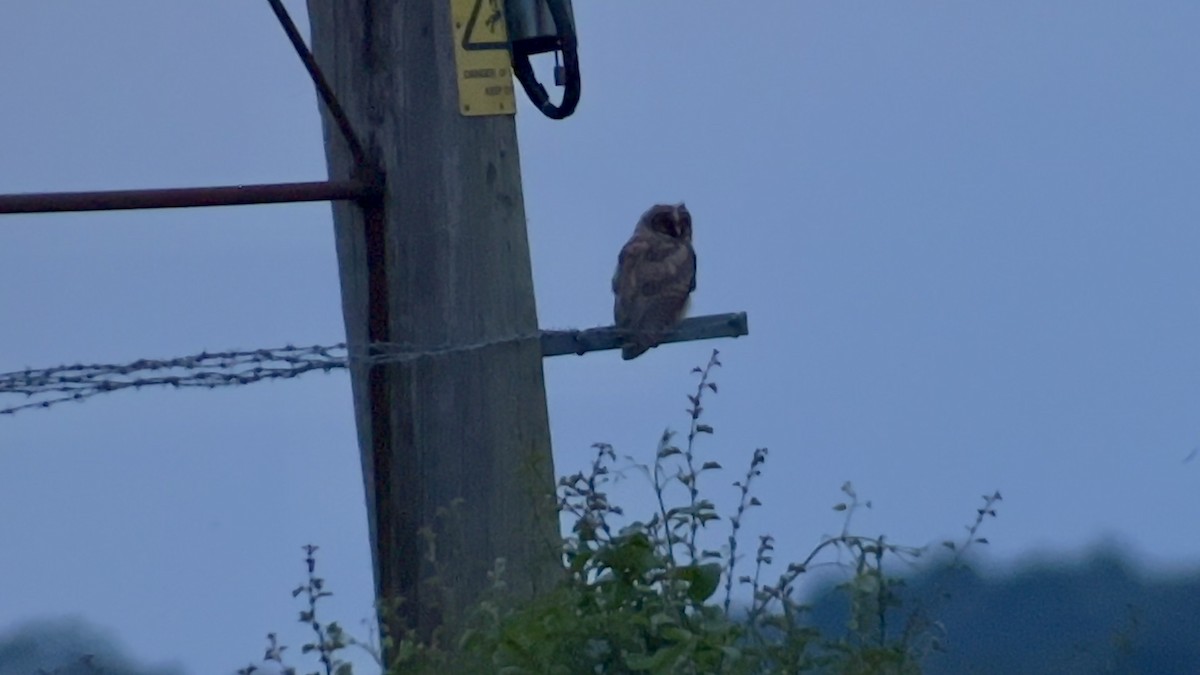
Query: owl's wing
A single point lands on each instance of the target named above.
(693, 252)
(653, 280)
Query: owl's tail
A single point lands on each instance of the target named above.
(638, 343)
(632, 351)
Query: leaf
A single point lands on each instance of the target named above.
(702, 579)
(713, 386)
(631, 556)
(663, 660)
(660, 619)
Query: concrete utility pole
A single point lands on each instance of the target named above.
(440, 265)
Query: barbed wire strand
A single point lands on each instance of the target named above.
(47, 387)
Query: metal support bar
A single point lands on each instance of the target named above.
(173, 198)
(323, 88)
(559, 342)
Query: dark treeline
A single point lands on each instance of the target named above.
(1097, 615)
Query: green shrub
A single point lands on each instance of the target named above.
(644, 597)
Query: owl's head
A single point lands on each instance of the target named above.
(672, 220)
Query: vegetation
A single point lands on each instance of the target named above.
(68, 646)
(645, 596)
(1096, 614)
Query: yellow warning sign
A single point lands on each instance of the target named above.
(485, 82)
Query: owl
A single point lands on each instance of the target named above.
(656, 274)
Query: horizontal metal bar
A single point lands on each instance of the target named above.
(559, 342)
(173, 198)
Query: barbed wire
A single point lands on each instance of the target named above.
(46, 387)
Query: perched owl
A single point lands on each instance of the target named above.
(656, 274)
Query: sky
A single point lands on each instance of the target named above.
(965, 234)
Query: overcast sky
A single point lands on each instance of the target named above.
(966, 235)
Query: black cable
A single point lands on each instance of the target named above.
(567, 43)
